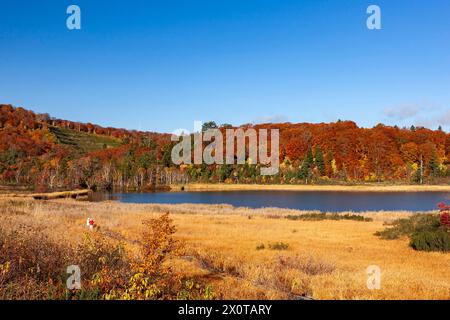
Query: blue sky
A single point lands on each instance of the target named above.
(160, 65)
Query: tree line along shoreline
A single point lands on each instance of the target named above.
(47, 154)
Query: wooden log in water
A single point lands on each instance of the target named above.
(63, 194)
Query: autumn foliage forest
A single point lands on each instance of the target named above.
(45, 153)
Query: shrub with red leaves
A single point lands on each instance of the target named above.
(445, 214)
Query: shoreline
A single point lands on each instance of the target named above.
(220, 209)
(208, 209)
(207, 187)
(204, 187)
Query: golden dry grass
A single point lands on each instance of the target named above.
(325, 259)
(290, 187)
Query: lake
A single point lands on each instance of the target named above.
(304, 200)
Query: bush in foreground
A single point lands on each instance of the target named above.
(407, 227)
(424, 230)
(431, 241)
(33, 266)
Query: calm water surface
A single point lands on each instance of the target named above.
(310, 200)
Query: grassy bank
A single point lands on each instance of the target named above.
(277, 187)
(245, 253)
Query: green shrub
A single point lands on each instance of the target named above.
(431, 241)
(407, 227)
(424, 230)
(325, 216)
(278, 246)
(260, 246)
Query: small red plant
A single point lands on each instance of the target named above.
(445, 214)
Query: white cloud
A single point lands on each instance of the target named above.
(271, 119)
(430, 115)
(401, 112)
(440, 119)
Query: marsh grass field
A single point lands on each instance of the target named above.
(241, 253)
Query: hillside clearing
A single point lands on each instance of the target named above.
(83, 142)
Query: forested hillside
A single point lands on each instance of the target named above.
(46, 153)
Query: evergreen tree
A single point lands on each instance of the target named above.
(224, 172)
(319, 161)
(145, 160)
(306, 165)
(166, 159)
(304, 170)
(209, 125)
(433, 166)
(309, 158)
